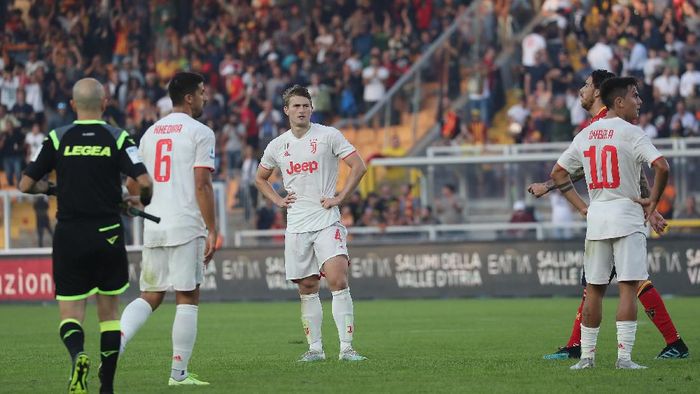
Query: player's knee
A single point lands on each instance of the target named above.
(154, 299)
(308, 285)
(338, 283)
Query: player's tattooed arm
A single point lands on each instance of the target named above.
(644, 189)
(540, 189)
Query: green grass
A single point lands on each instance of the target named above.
(427, 346)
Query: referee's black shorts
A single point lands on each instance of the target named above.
(89, 257)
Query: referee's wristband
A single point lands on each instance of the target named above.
(51, 189)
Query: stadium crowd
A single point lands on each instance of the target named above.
(347, 52)
(654, 41)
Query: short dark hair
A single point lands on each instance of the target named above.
(599, 76)
(182, 84)
(614, 88)
(296, 90)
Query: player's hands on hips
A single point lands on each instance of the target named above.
(537, 189)
(330, 202)
(648, 205)
(287, 201)
(583, 211)
(658, 223)
(210, 246)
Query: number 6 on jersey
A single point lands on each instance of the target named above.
(162, 164)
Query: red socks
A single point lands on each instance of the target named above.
(656, 310)
(575, 339)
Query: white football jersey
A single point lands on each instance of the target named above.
(611, 152)
(171, 149)
(309, 167)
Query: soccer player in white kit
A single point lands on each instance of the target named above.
(179, 152)
(611, 152)
(315, 241)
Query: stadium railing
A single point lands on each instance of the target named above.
(19, 222)
(489, 179)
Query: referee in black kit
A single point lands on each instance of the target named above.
(89, 256)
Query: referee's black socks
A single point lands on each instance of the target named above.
(109, 350)
(72, 335)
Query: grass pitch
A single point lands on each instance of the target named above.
(427, 346)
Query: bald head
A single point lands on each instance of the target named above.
(88, 95)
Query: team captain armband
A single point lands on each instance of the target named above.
(565, 187)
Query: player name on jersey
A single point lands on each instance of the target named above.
(167, 129)
(601, 134)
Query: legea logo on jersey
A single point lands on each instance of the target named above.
(298, 168)
(81, 150)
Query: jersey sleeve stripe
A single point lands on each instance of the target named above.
(349, 154)
(654, 161)
(208, 167)
(122, 138)
(54, 139)
(261, 165)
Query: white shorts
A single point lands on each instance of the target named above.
(305, 253)
(180, 267)
(627, 254)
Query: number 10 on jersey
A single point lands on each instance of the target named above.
(607, 154)
(163, 160)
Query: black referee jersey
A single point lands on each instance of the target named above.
(88, 157)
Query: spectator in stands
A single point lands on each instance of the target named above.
(449, 206)
(23, 111)
(666, 86)
(11, 146)
(426, 217)
(373, 77)
(61, 117)
(600, 56)
(41, 213)
(685, 120)
(269, 122)
(517, 115)
(536, 73)
(560, 129)
(33, 142)
(690, 82)
(249, 193)
(320, 99)
(533, 43)
(521, 214)
(9, 84)
(647, 126)
(233, 134)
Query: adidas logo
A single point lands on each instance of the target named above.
(177, 357)
(286, 154)
(112, 240)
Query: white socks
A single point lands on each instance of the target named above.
(311, 319)
(133, 317)
(184, 335)
(626, 331)
(589, 337)
(343, 316)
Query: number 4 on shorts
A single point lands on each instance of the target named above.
(337, 234)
